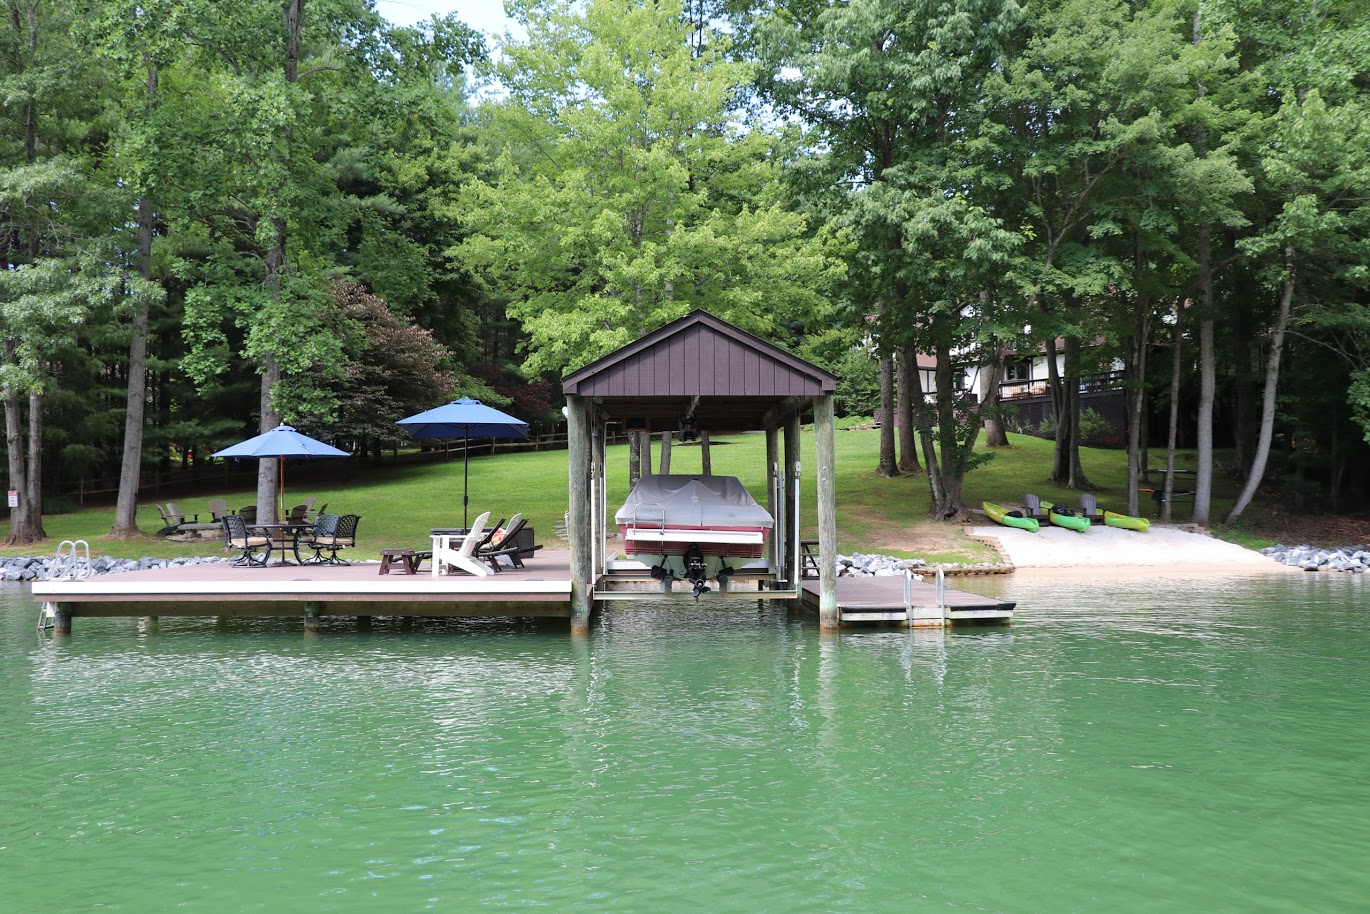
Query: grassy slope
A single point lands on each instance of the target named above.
(398, 504)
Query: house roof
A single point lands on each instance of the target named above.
(702, 368)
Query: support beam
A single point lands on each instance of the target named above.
(792, 473)
(311, 617)
(61, 619)
(579, 449)
(776, 546)
(828, 616)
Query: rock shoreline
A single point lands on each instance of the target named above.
(47, 567)
(1351, 559)
(862, 565)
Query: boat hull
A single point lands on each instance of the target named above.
(1126, 522)
(693, 527)
(1069, 521)
(1001, 515)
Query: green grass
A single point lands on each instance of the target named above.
(400, 502)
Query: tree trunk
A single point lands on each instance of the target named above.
(21, 517)
(1272, 379)
(1060, 412)
(665, 453)
(923, 420)
(1208, 384)
(35, 462)
(887, 467)
(706, 461)
(1172, 434)
(634, 459)
(906, 360)
(995, 433)
(1075, 478)
(130, 467)
(1136, 395)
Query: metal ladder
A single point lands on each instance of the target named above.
(70, 566)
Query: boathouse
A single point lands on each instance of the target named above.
(702, 373)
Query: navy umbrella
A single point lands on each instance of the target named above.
(281, 442)
(465, 418)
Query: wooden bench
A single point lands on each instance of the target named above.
(406, 560)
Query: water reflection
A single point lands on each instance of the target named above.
(1181, 738)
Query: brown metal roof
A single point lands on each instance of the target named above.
(725, 378)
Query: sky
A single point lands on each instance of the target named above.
(483, 15)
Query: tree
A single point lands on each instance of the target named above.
(624, 197)
(890, 90)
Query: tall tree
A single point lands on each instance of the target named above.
(625, 196)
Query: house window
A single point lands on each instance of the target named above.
(1018, 371)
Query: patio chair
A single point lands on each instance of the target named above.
(297, 514)
(249, 514)
(332, 532)
(497, 542)
(1089, 507)
(447, 556)
(237, 536)
(169, 526)
(1032, 507)
(218, 507)
(512, 546)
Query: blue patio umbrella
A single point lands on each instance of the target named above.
(465, 418)
(281, 442)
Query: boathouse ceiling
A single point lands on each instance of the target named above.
(699, 373)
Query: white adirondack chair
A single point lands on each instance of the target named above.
(458, 550)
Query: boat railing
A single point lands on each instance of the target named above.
(659, 521)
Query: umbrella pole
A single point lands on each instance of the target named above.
(465, 479)
(280, 478)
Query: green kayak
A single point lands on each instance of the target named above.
(1064, 517)
(1002, 515)
(1125, 522)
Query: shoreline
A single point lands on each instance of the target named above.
(1160, 552)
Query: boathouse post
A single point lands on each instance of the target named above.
(578, 521)
(61, 618)
(791, 500)
(772, 465)
(823, 425)
(311, 617)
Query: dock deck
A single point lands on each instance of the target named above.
(883, 599)
(543, 588)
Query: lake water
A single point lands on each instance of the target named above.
(1130, 746)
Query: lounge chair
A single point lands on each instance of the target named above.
(457, 550)
(249, 514)
(297, 514)
(492, 546)
(331, 533)
(1032, 507)
(510, 546)
(218, 507)
(237, 536)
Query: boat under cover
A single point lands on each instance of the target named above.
(692, 526)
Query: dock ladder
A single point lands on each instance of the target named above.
(939, 592)
(71, 565)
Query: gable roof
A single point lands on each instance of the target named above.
(699, 366)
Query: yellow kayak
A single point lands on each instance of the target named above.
(1014, 518)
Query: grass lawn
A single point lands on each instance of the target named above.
(398, 503)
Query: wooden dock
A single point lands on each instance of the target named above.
(542, 588)
(885, 599)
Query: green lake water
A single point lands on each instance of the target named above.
(1135, 746)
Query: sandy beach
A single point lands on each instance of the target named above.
(1160, 550)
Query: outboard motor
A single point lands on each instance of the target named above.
(695, 571)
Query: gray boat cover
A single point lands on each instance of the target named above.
(692, 501)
